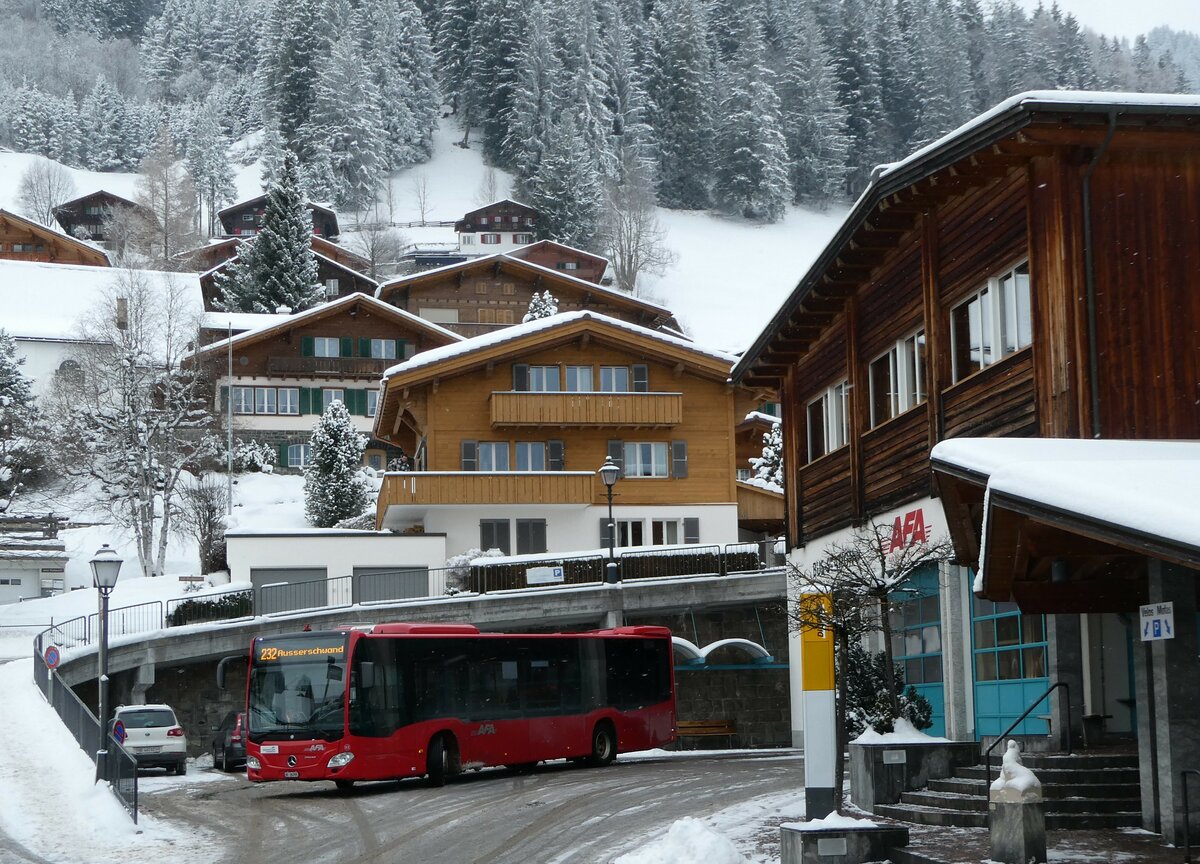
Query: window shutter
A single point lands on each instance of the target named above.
(641, 378)
(616, 452)
(679, 468)
(520, 377)
(410, 348)
(347, 347)
(604, 532)
(224, 403)
(400, 350)
(691, 529)
(537, 537)
(557, 455)
(307, 346)
(364, 346)
(523, 526)
(470, 456)
(305, 400)
(283, 455)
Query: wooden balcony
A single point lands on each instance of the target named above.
(586, 409)
(340, 367)
(759, 509)
(421, 488)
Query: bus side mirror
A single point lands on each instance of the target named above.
(221, 668)
(366, 675)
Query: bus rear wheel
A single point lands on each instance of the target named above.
(439, 762)
(604, 745)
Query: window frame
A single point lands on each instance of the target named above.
(905, 365)
(575, 371)
(322, 343)
(243, 400)
(834, 409)
(994, 321)
(266, 395)
(292, 400)
(529, 450)
(372, 402)
(380, 347)
(492, 448)
(613, 375)
(658, 471)
(304, 451)
(326, 399)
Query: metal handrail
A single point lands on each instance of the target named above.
(1187, 815)
(987, 754)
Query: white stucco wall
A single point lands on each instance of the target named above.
(290, 422)
(42, 359)
(339, 552)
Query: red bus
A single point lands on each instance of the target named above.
(410, 700)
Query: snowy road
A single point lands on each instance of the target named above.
(555, 815)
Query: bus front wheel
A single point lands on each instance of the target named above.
(604, 745)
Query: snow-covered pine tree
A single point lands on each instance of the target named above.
(104, 115)
(205, 153)
(277, 267)
(938, 62)
(566, 191)
(858, 93)
(751, 174)
(496, 43)
(585, 91)
(631, 140)
(346, 119)
(334, 487)
(401, 59)
(452, 43)
(814, 122)
(20, 450)
(769, 466)
(533, 100)
(270, 155)
(679, 83)
(166, 192)
(294, 42)
(541, 306)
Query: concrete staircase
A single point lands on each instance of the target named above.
(1081, 791)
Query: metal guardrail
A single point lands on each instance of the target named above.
(406, 583)
(118, 768)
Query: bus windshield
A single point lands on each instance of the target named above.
(297, 687)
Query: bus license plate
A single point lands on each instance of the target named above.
(290, 775)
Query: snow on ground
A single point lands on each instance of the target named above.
(268, 502)
(56, 810)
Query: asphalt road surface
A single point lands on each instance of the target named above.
(556, 814)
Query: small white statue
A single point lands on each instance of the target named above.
(1016, 783)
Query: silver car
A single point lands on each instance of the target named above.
(153, 736)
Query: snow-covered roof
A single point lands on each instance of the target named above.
(760, 417)
(70, 240)
(45, 301)
(994, 124)
(574, 281)
(239, 321)
(1130, 488)
(274, 322)
(543, 325)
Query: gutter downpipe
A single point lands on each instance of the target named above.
(1089, 274)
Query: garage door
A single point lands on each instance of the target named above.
(391, 583)
(282, 589)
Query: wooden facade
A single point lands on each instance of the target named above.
(245, 218)
(338, 279)
(506, 216)
(92, 214)
(483, 295)
(477, 396)
(557, 256)
(22, 239)
(1113, 309)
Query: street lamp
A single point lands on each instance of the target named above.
(106, 566)
(609, 472)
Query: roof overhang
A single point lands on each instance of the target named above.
(1061, 525)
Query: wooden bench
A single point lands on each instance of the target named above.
(706, 729)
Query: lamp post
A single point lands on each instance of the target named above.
(106, 566)
(609, 472)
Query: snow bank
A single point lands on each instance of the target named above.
(903, 733)
(52, 805)
(687, 841)
(832, 822)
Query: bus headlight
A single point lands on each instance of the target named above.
(341, 760)
(252, 763)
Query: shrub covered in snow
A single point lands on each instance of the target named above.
(869, 704)
(334, 485)
(250, 456)
(458, 568)
(541, 306)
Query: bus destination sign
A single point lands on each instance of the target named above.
(283, 650)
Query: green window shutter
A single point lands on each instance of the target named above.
(283, 455)
(364, 346)
(400, 343)
(347, 347)
(307, 347)
(224, 403)
(679, 462)
(361, 396)
(305, 400)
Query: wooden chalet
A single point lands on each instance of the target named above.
(286, 370)
(502, 224)
(481, 295)
(23, 239)
(558, 256)
(338, 279)
(92, 215)
(518, 422)
(1033, 273)
(340, 254)
(245, 218)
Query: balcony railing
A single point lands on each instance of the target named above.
(586, 409)
(342, 367)
(480, 487)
